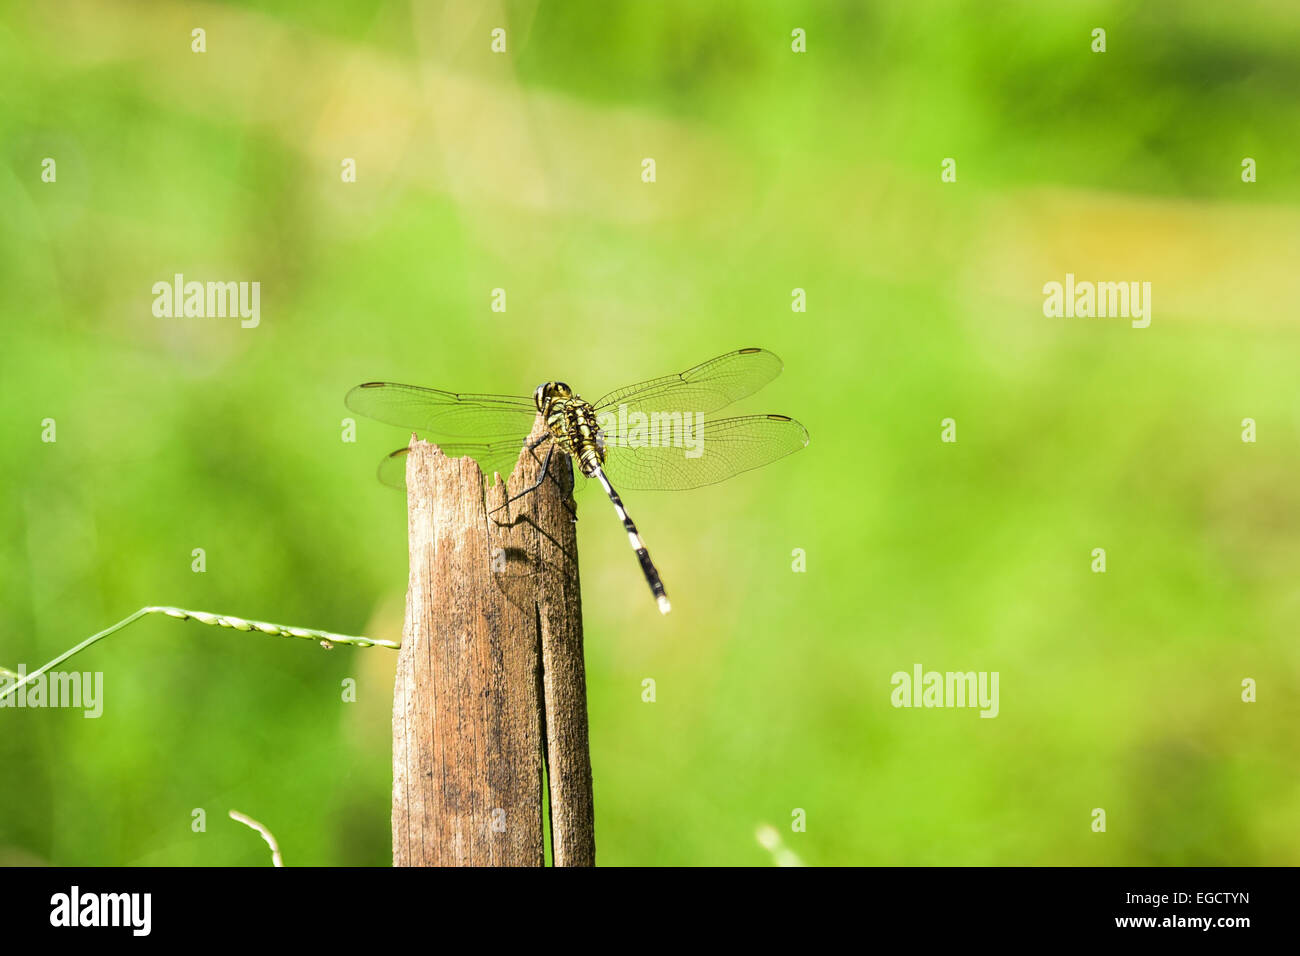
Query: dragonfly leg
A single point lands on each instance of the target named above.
(546, 470)
(568, 492)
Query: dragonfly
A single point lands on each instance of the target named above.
(651, 436)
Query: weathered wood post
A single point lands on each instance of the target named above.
(490, 687)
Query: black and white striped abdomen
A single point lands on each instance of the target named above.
(634, 539)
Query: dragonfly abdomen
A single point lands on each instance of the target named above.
(634, 538)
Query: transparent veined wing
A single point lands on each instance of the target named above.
(392, 470)
(702, 389)
(497, 457)
(442, 414)
(726, 447)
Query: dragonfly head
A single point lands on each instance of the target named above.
(548, 393)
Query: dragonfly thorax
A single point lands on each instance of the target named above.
(573, 425)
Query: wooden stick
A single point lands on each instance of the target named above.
(490, 680)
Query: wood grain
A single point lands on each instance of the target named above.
(490, 683)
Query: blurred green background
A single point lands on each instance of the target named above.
(775, 171)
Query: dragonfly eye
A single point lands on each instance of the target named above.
(549, 392)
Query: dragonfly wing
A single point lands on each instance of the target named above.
(704, 388)
(443, 414)
(492, 457)
(726, 447)
(392, 470)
